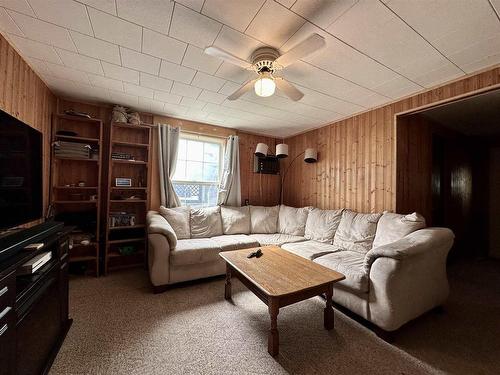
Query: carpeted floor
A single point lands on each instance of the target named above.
(120, 327)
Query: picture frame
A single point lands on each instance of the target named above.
(123, 182)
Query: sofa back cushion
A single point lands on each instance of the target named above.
(392, 227)
(206, 222)
(178, 218)
(264, 219)
(321, 225)
(235, 220)
(356, 231)
(292, 220)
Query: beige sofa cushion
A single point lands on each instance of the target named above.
(292, 220)
(392, 227)
(206, 222)
(321, 225)
(309, 249)
(235, 241)
(194, 251)
(235, 220)
(277, 239)
(178, 218)
(356, 231)
(264, 219)
(350, 264)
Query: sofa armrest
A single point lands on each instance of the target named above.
(157, 224)
(418, 242)
(408, 277)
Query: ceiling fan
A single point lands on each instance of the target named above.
(267, 62)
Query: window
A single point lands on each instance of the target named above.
(198, 170)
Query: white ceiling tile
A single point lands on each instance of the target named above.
(193, 4)
(322, 12)
(207, 81)
(286, 3)
(70, 74)
(373, 29)
(229, 88)
(438, 75)
(21, 6)
(7, 24)
(140, 61)
(196, 114)
(160, 45)
(174, 109)
(43, 31)
(238, 44)
(478, 56)
(176, 72)
(234, 13)
(149, 105)
(467, 22)
(108, 6)
(99, 49)
(397, 88)
(80, 62)
(138, 90)
(38, 65)
(104, 82)
(167, 97)
(155, 82)
(185, 90)
(69, 14)
(115, 30)
(38, 50)
(274, 24)
(192, 103)
(192, 27)
(234, 73)
(153, 14)
(121, 98)
(195, 58)
(120, 73)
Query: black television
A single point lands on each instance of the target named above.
(21, 180)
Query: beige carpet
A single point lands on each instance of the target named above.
(120, 327)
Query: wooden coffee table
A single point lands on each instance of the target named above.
(280, 278)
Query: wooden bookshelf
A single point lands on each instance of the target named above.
(125, 246)
(73, 204)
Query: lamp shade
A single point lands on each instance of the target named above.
(281, 150)
(311, 155)
(261, 149)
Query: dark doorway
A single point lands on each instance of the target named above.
(448, 169)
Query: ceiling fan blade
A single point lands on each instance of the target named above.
(288, 89)
(242, 90)
(224, 55)
(312, 44)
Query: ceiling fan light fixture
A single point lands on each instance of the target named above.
(265, 86)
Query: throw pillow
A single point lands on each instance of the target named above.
(235, 220)
(264, 219)
(292, 220)
(321, 225)
(392, 227)
(206, 222)
(178, 218)
(356, 231)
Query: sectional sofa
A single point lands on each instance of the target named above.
(395, 267)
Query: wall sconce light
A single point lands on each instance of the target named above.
(310, 155)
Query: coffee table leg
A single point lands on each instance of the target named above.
(227, 289)
(329, 319)
(273, 337)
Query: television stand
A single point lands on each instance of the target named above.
(34, 308)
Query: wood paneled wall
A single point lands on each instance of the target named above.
(24, 96)
(356, 166)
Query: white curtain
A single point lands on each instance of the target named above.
(168, 143)
(230, 184)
